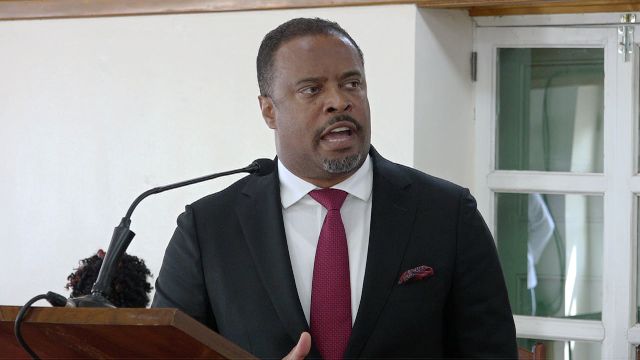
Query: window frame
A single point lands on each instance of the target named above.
(619, 183)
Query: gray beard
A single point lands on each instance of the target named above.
(344, 165)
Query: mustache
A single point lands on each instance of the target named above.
(337, 119)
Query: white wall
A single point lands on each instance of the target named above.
(444, 126)
(95, 111)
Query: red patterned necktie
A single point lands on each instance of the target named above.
(331, 288)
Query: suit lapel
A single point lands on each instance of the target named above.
(392, 216)
(260, 214)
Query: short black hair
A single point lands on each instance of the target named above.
(129, 287)
(290, 30)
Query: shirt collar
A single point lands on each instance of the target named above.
(293, 188)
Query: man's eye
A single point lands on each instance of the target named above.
(310, 90)
(353, 84)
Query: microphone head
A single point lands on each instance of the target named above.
(262, 167)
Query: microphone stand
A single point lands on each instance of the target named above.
(122, 235)
(120, 241)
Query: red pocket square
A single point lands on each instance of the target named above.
(417, 273)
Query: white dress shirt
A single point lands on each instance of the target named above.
(303, 218)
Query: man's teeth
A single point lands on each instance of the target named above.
(340, 129)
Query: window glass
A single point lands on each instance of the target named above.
(564, 350)
(550, 247)
(550, 108)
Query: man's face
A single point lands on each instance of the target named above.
(318, 108)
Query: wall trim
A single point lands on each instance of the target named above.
(60, 9)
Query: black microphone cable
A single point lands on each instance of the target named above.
(53, 298)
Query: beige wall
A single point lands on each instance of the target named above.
(95, 111)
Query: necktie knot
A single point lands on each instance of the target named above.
(331, 199)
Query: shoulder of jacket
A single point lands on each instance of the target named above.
(227, 195)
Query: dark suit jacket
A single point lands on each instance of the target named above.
(228, 266)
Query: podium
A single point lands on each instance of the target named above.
(107, 333)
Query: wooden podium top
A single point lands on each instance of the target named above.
(106, 333)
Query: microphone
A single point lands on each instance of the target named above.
(122, 236)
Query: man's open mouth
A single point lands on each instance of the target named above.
(338, 134)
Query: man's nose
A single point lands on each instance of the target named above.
(337, 102)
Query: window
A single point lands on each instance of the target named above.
(556, 178)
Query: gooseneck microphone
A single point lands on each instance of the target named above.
(120, 240)
(122, 235)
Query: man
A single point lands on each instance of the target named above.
(401, 265)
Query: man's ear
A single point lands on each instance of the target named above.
(268, 111)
